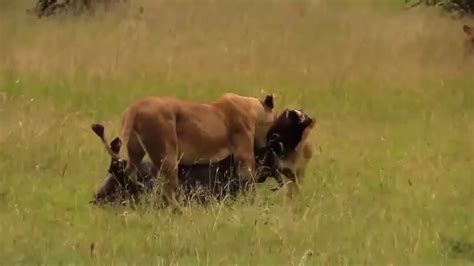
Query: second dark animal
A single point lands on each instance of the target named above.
(197, 181)
(289, 147)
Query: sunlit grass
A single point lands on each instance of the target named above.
(392, 177)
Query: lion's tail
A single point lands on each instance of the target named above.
(128, 125)
(99, 131)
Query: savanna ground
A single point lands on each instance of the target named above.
(392, 180)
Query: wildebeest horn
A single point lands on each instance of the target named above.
(99, 131)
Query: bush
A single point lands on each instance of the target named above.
(462, 7)
(50, 7)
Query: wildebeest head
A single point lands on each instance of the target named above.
(289, 129)
(116, 185)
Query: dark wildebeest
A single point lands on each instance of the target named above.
(198, 181)
(289, 147)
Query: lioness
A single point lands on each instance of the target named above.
(172, 130)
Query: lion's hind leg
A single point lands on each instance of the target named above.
(135, 154)
(163, 152)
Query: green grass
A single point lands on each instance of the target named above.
(392, 180)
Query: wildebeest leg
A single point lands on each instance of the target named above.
(286, 172)
(289, 174)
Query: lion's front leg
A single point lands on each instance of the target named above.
(246, 167)
(244, 158)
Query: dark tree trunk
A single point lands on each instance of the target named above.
(46, 8)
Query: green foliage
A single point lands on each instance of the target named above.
(464, 7)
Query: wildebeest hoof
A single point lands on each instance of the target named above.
(138, 183)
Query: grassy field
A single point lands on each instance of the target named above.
(392, 180)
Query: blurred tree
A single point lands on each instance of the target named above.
(462, 7)
(51, 7)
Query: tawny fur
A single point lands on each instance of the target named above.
(169, 129)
